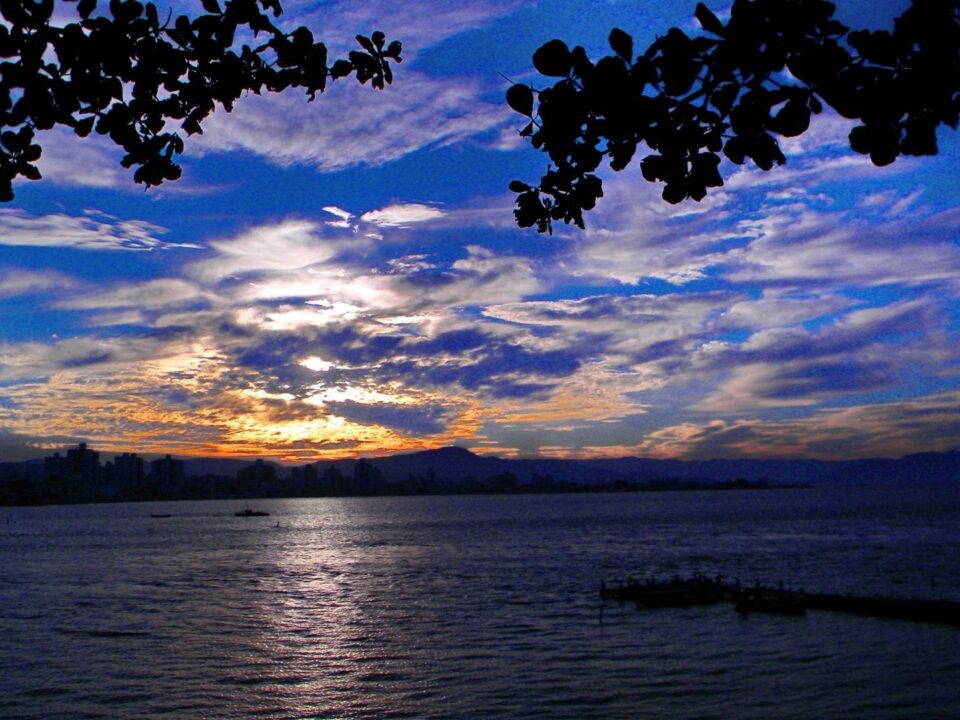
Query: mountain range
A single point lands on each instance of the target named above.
(456, 464)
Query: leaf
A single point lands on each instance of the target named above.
(341, 68)
(793, 118)
(921, 138)
(85, 7)
(212, 6)
(553, 59)
(674, 193)
(520, 99)
(622, 44)
(723, 97)
(708, 21)
(652, 168)
(367, 44)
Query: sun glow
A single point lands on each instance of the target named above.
(317, 364)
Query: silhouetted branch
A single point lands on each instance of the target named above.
(124, 72)
(733, 90)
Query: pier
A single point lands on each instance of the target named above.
(701, 590)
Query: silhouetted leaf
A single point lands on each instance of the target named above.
(920, 138)
(708, 21)
(622, 44)
(520, 99)
(85, 7)
(341, 68)
(674, 193)
(792, 119)
(553, 59)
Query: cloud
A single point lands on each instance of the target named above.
(481, 278)
(417, 23)
(141, 296)
(16, 447)
(782, 307)
(633, 235)
(890, 429)
(796, 244)
(402, 214)
(643, 334)
(420, 420)
(282, 247)
(15, 283)
(350, 126)
(93, 231)
(92, 162)
(861, 351)
(33, 360)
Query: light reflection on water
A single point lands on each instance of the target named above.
(471, 607)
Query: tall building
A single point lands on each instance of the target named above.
(54, 483)
(128, 475)
(83, 473)
(257, 479)
(168, 476)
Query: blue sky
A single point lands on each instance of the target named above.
(344, 277)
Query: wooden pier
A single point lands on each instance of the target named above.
(700, 590)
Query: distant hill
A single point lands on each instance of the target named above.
(219, 466)
(453, 464)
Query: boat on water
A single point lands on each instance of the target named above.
(248, 511)
(160, 515)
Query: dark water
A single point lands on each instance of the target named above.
(472, 607)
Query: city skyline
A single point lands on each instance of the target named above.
(78, 476)
(344, 278)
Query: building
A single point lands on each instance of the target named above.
(168, 477)
(128, 475)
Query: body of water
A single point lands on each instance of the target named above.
(472, 607)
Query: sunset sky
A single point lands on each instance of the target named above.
(344, 277)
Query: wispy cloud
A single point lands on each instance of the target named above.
(16, 282)
(402, 214)
(890, 429)
(862, 351)
(93, 231)
(352, 126)
(140, 296)
(87, 162)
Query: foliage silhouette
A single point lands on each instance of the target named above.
(126, 71)
(733, 90)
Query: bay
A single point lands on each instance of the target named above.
(473, 606)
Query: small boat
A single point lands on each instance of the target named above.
(160, 515)
(248, 511)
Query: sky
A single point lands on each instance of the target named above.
(344, 277)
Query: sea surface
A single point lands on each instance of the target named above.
(473, 607)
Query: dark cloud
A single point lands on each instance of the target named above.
(817, 378)
(407, 419)
(94, 358)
